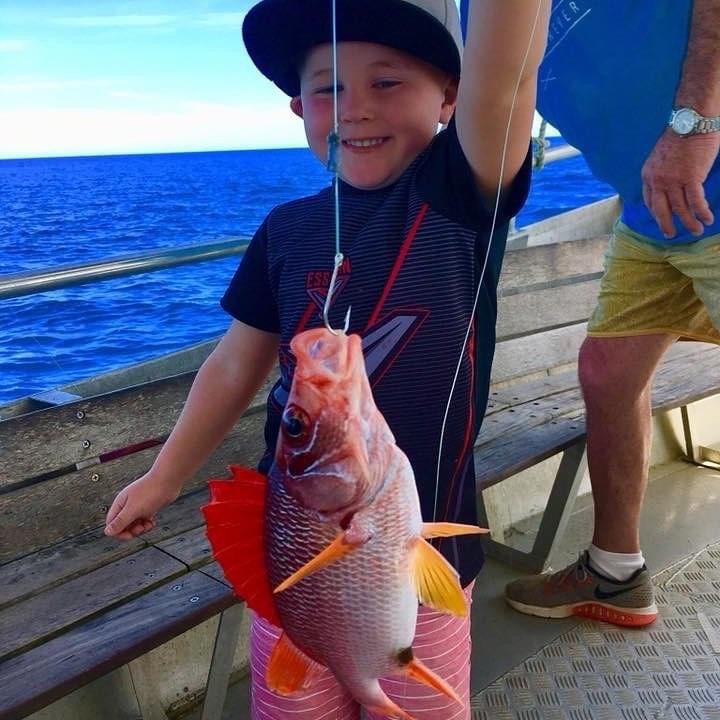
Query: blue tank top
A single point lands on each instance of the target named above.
(608, 83)
(414, 253)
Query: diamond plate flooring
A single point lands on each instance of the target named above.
(596, 671)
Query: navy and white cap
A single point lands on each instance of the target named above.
(278, 34)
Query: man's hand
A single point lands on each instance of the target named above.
(133, 510)
(673, 177)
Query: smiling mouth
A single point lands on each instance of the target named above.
(365, 143)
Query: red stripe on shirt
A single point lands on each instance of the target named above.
(404, 249)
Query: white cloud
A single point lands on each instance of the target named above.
(190, 126)
(132, 95)
(40, 85)
(12, 45)
(229, 19)
(115, 20)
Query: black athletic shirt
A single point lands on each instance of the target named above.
(413, 256)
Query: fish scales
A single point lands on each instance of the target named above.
(343, 614)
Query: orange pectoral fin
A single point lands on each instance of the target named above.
(446, 529)
(288, 669)
(337, 549)
(436, 581)
(235, 521)
(417, 671)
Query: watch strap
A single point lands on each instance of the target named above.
(707, 125)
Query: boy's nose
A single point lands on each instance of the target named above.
(354, 106)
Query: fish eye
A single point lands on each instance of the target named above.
(295, 422)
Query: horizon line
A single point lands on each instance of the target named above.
(139, 152)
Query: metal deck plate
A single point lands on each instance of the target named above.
(669, 671)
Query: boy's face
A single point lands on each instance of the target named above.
(389, 107)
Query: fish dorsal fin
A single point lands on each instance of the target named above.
(416, 670)
(288, 669)
(446, 529)
(235, 527)
(436, 581)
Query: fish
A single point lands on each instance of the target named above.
(331, 546)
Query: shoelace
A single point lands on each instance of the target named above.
(579, 568)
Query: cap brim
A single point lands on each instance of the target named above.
(279, 33)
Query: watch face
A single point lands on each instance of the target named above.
(683, 121)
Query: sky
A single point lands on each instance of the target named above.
(133, 76)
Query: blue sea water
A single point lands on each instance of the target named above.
(62, 211)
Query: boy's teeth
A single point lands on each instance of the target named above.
(364, 143)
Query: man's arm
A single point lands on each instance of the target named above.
(505, 44)
(674, 172)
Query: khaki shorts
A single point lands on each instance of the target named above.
(649, 289)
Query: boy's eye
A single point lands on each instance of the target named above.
(327, 89)
(386, 83)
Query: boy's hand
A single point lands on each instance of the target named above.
(133, 510)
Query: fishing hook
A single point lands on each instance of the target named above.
(339, 257)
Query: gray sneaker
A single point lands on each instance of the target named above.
(581, 590)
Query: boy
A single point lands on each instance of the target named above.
(416, 217)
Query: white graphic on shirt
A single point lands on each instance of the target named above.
(564, 17)
(380, 342)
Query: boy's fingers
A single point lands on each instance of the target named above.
(117, 505)
(122, 521)
(136, 527)
(115, 509)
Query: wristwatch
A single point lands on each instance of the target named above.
(686, 121)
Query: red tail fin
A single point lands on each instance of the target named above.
(235, 520)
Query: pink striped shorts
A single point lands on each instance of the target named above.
(442, 642)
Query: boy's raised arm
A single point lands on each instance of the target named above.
(498, 41)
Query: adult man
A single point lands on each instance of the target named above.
(635, 86)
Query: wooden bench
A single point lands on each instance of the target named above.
(75, 605)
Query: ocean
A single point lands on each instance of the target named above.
(61, 211)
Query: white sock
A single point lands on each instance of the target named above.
(618, 566)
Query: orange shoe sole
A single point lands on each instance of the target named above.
(614, 615)
(639, 617)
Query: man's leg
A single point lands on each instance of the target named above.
(615, 376)
(610, 581)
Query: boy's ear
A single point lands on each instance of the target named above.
(296, 106)
(449, 101)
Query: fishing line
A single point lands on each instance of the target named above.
(487, 256)
(333, 165)
(49, 353)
